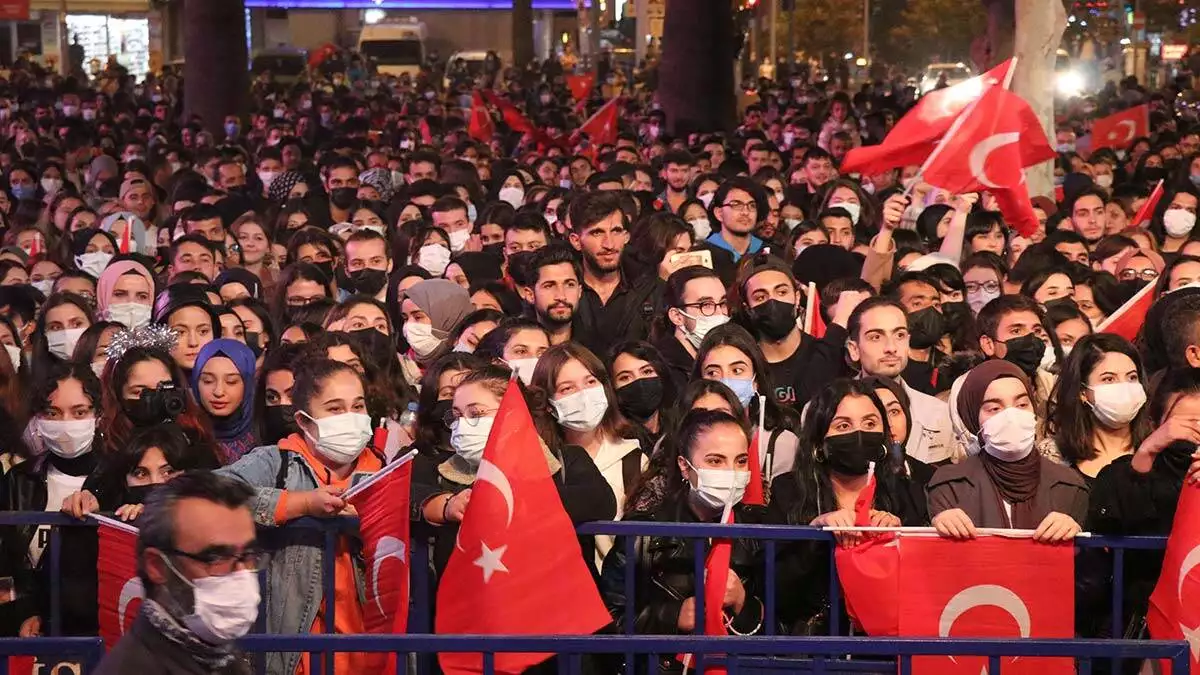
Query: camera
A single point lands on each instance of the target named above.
(162, 404)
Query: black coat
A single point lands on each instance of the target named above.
(144, 651)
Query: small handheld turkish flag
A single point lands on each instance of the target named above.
(1174, 612)
(601, 128)
(517, 557)
(581, 85)
(1147, 211)
(120, 588)
(814, 323)
(481, 127)
(915, 135)
(1119, 130)
(716, 578)
(1127, 321)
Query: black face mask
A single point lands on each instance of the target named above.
(252, 341)
(154, 406)
(955, 314)
(343, 198)
(1153, 173)
(925, 328)
(851, 454)
(1025, 352)
(366, 281)
(774, 319)
(1060, 302)
(640, 399)
(326, 268)
(496, 249)
(438, 412)
(138, 494)
(279, 422)
(164, 253)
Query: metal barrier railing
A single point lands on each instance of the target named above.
(420, 610)
(87, 650)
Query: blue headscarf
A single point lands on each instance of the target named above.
(233, 426)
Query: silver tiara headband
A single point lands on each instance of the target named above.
(152, 336)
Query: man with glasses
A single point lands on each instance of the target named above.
(198, 562)
(738, 205)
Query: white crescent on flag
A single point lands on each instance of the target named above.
(980, 596)
(388, 547)
(130, 591)
(977, 160)
(1131, 128)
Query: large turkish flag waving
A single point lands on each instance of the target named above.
(480, 127)
(516, 567)
(1119, 130)
(120, 589)
(1174, 612)
(601, 127)
(915, 135)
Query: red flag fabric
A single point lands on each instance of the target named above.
(1174, 612)
(870, 578)
(814, 323)
(995, 141)
(1128, 319)
(716, 576)
(1144, 214)
(915, 135)
(864, 502)
(426, 134)
(581, 85)
(126, 243)
(601, 128)
(518, 122)
(21, 665)
(120, 591)
(754, 489)
(1119, 130)
(1017, 209)
(517, 560)
(481, 127)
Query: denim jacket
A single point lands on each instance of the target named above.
(293, 592)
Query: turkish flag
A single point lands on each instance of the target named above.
(716, 576)
(581, 85)
(120, 591)
(814, 323)
(870, 578)
(994, 142)
(1128, 319)
(991, 587)
(1119, 130)
(864, 502)
(754, 489)
(481, 127)
(126, 244)
(426, 134)
(21, 665)
(1174, 612)
(1017, 209)
(1147, 211)
(601, 128)
(516, 568)
(916, 134)
(518, 122)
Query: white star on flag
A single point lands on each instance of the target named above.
(1193, 639)
(489, 561)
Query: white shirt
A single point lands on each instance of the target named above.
(932, 436)
(608, 461)
(59, 486)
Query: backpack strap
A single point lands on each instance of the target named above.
(281, 477)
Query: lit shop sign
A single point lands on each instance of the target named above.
(408, 4)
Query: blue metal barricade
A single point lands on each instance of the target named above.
(86, 650)
(421, 601)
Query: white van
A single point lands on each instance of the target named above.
(473, 61)
(397, 47)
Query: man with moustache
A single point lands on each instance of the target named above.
(555, 286)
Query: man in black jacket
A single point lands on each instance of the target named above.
(201, 580)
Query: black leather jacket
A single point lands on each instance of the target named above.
(665, 574)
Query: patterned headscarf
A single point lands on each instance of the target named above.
(381, 180)
(283, 184)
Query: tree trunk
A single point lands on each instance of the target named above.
(522, 32)
(695, 78)
(1039, 30)
(215, 74)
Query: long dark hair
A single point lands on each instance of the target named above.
(732, 335)
(280, 358)
(1068, 419)
(169, 438)
(41, 350)
(432, 434)
(649, 353)
(812, 469)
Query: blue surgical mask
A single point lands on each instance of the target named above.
(472, 212)
(24, 191)
(744, 389)
(231, 129)
(1195, 178)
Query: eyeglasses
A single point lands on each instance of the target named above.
(471, 419)
(988, 286)
(740, 206)
(1144, 275)
(708, 307)
(218, 564)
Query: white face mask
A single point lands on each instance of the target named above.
(225, 607)
(93, 263)
(1104, 180)
(1008, 435)
(51, 185)
(470, 438)
(583, 410)
(1118, 403)
(701, 227)
(62, 342)
(706, 199)
(98, 367)
(1178, 223)
(421, 338)
(434, 258)
(340, 438)
(551, 217)
(1049, 358)
(512, 195)
(978, 300)
(791, 223)
(267, 177)
(854, 209)
(14, 355)
(46, 286)
(67, 438)
(524, 369)
(397, 178)
(463, 348)
(718, 487)
(704, 324)
(458, 240)
(129, 314)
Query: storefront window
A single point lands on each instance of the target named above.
(102, 36)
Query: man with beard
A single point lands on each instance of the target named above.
(341, 182)
(555, 286)
(676, 171)
(612, 308)
(1088, 215)
(799, 363)
(368, 264)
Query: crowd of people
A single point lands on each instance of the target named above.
(217, 324)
